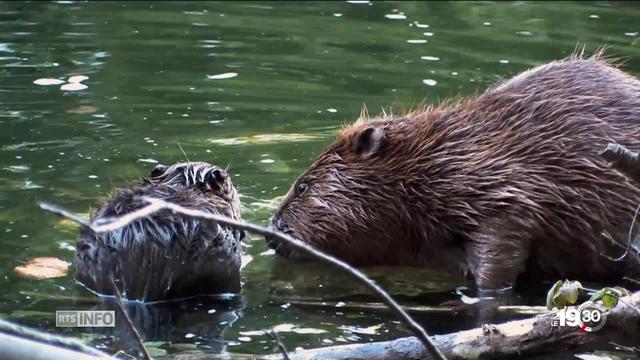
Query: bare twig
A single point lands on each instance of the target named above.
(633, 349)
(623, 159)
(274, 336)
(107, 225)
(134, 331)
(64, 214)
(635, 281)
(628, 162)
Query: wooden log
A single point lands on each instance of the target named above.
(18, 342)
(504, 341)
(17, 348)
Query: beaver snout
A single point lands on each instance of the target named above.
(281, 248)
(272, 225)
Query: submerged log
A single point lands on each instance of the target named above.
(18, 343)
(507, 340)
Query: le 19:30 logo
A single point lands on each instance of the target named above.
(588, 317)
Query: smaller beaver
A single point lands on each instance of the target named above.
(166, 255)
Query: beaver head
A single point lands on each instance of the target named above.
(180, 256)
(200, 177)
(355, 200)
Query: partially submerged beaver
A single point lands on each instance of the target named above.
(166, 255)
(502, 185)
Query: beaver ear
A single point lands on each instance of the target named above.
(158, 170)
(220, 175)
(216, 177)
(369, 141)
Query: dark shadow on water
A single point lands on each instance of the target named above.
(200, 321)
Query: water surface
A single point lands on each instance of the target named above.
(260, 87)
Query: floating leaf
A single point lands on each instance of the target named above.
(265, 139)
(47, 81)
(597, 295)
(554, 289)
(83, 109)
(67, 224)
(222, 76)
(623, 292)
(77, 78)
(610, 299)
(43, 268)
(73, 87)
(609, 296)
(563, 294)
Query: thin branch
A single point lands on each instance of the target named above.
(623, 159)
(155, 205)
(64, 214)
(628, 162)
(283, 350)
(635, 281)
(633, 349)
(134, 331)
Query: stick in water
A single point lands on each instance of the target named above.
(134, 331)
(107, 225)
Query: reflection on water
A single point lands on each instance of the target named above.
(201, 322)
(259, 87)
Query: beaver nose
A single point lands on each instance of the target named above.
(272, 226)
(275, 224)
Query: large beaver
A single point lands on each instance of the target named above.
(166, 255)
(505, 184)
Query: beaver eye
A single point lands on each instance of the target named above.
(302, 187)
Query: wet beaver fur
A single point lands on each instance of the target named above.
(498, 186)
(166, 255)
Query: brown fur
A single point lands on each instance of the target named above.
(166, 255)
(494, 186)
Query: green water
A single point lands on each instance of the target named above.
(303, 69)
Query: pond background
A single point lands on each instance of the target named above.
(303, 69)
